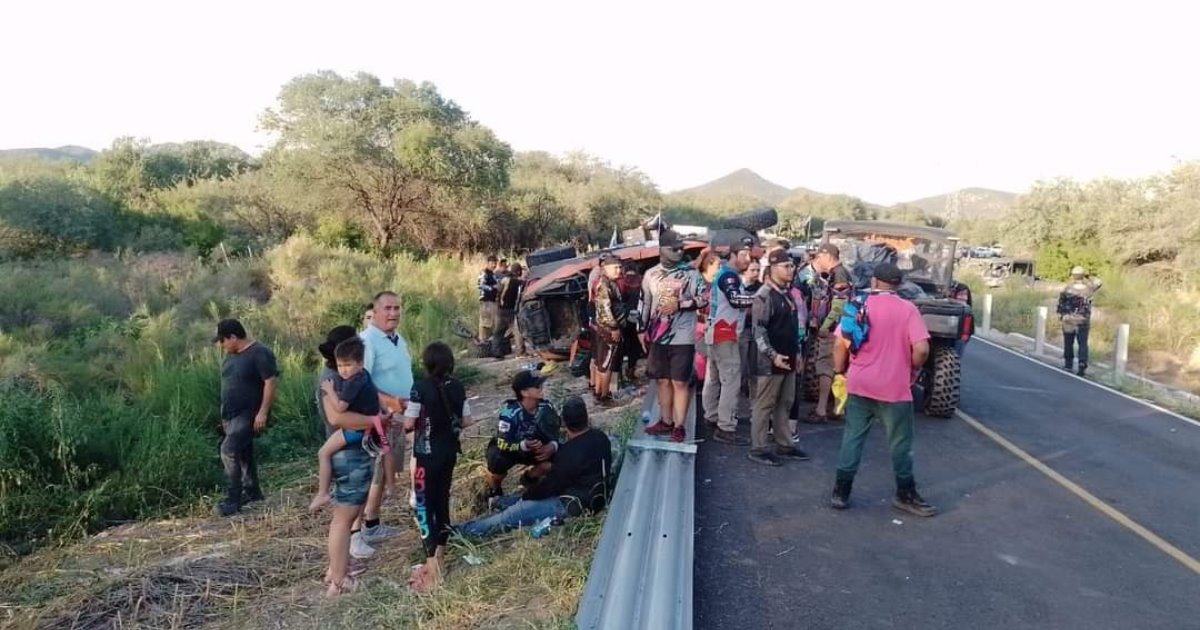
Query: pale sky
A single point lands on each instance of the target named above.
(885, 100)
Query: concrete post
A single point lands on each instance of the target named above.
(1039, 338)
(986, 323)
(1122, 358)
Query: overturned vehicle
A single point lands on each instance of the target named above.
(926, 256)
(554, 305)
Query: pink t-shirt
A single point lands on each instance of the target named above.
(882, 368)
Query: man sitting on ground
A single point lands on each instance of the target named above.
(527, 434)
(576, 483)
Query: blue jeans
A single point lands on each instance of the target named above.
(516, 512)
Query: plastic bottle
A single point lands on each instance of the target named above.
(541, 528)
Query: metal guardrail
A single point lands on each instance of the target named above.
(641, 575)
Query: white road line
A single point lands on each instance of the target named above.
(1158, 408)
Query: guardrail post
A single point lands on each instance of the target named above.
(1039, 339)
(986, 323)
(1122, 358)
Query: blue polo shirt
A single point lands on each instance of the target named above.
(388, 361)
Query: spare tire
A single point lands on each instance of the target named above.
(752, 221)
(550, 254)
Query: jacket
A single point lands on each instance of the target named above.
(515, 426)
(776, 329)
(487, 286)
(610, 308)
(727, 306)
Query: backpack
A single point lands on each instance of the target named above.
(855, 322)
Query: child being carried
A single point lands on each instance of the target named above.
(353, 391)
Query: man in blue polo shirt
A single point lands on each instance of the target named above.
(389, 363)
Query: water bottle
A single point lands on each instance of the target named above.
(541, 528)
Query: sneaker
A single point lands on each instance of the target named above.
(412, 499)
(1082, 370)
(228, 508)
(359, 547)
(729, 437)
(659, 428)
(678, 434)
(765, 459)
(911, 502)
(840, 499)
(378, 533)
(792, 453)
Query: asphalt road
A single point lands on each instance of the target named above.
(1011, 549)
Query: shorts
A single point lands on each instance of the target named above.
(824, 347)
(352, 474)
(671, 362)
(606, 353)
(500, 462)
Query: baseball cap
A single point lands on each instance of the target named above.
(889, 273)
(227, 328)
(527, 379)
(778, 257)
(669, 238)
(609, 258)
(829, 248)
(333, 338)
(1078, 271)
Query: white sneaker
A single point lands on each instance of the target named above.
(359, 547)
(412, 500)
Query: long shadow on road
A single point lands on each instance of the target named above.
(1011, 548)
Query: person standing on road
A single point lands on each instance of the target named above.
(725, 337)
(752, 282)
(249, 377)
(879, 378)
(488, 291)
(507, 301)
(388, 361)
(1075, 311)
(671, 293)
(777, 341)
(829, 297)
(630, 286)
(611, 318)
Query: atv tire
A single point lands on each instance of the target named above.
(550, 254)
(810, 383)
(942, 383)
(752, 221)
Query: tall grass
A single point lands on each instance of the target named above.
(109, 387)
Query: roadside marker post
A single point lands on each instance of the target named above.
(1122, 358)
(987, 313)
(1039, 339)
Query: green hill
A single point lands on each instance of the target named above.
(69, 153)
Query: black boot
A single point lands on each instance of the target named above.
(841, 494)
(1082, 369)
(1069, 366)
(908, 500)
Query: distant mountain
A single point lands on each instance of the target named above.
(69, 153)
(968, 203)
(740, 183)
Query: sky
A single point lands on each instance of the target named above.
(889, 101)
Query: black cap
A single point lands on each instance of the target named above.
(778, 256)
(889, 273)
(574, 413)
(227, 328)
(669, 238)
(335, 336)
(527, 379)
(829, 248)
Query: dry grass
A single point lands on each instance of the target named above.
(262, 569)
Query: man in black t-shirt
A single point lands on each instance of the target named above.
(248, 382)
(507, 302)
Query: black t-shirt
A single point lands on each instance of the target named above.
(578, 473)
(438, 415)
(242, 378)
(358, 392)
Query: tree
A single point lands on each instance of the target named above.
(45, 215)
(403, 156)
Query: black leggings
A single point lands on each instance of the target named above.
(431, 485)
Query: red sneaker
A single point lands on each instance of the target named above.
(659, 428)
(678, 434)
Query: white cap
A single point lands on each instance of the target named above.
(1078, 271)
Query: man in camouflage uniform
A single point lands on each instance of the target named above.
(1075, 311)
(833, 286)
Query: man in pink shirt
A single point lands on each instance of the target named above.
(879, 383)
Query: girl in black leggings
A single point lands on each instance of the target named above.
(437, 412)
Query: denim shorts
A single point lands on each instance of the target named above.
(352, 471)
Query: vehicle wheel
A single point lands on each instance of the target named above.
(752, 221)
(810, 385)
(550, 254)
(942, 389)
